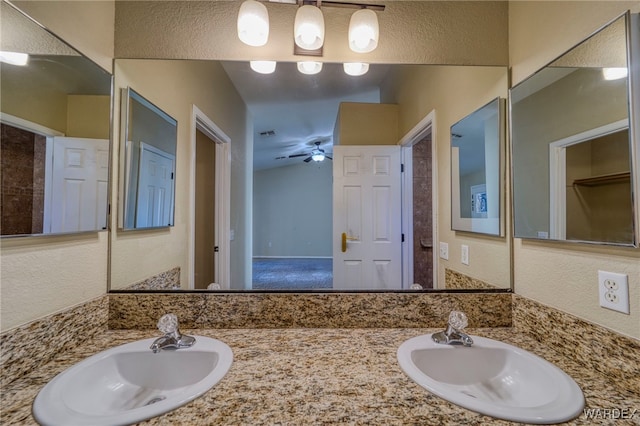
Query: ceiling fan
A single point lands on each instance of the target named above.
(317, 154)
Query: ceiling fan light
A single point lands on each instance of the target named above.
(317, 156)
(363, 31)
(253, 23)
(308, 28)
(309, 67)
(263, 67)
(355, 68)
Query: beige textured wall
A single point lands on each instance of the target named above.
(174, 86)
(562, 275)
(86, 25)
(453, 92)
(433, 32)
(30, 102)
(88, 116)
(366, 124)
(43, 275)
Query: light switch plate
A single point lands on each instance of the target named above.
(464, 254)
(444, 251)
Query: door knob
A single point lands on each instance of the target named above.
(345, 239)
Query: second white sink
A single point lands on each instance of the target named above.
(493, 378)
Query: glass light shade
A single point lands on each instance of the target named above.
(14, 58)
(309, 67)
(263, 67)
(308, 28)
(363, 31)
(317, 156)
(614, 73)
(356, 68)
(253, 23)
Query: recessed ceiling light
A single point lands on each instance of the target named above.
(263, 67)
(356, 68)
(614, 73)
(14, 58)
(309, 67)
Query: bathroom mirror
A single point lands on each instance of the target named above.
(477, 187)
(290, 196)
(55, 114)
(148, 141)
(572, 153)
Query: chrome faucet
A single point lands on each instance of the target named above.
(172, 339)
(453, 334)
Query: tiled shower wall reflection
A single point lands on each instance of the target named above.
(22, 181)
(422, 214)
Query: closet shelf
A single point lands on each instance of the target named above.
(604, 179)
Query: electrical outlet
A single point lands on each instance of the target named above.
(444, 250)
(464, 254)
(613, 289)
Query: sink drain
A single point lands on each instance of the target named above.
(156, 399)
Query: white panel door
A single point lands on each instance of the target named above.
(367, 208)
(154, 206)
(78, 196)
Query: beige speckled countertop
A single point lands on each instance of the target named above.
(316, 376)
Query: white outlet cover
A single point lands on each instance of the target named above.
(613, 289)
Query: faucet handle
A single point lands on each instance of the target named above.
(168, 323)
(458, 320)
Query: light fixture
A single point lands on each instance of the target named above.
(308, 27)
(14, 58)
(309, 67)
(317, 155)
(355, 68)
(363, 31)
(253, 23)
(614, 73)
(263, 67)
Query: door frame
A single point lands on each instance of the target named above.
(558, 173)
(416, 134)
(222, 266)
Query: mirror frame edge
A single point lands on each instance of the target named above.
(41, 238)
(125, 98)
(632, 24)
(502, 188)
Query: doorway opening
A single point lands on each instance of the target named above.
(205, 235)
(210, 193)
(419, 204)
(292, 213)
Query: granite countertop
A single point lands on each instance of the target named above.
(316, 376)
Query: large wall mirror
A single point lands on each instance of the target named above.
(477, 161)
(55, 114)
(275, 123)
(572, 147)
(148, 141)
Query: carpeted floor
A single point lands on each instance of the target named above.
(292, 274)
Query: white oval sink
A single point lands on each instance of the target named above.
(129, 383)
(493, 378)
